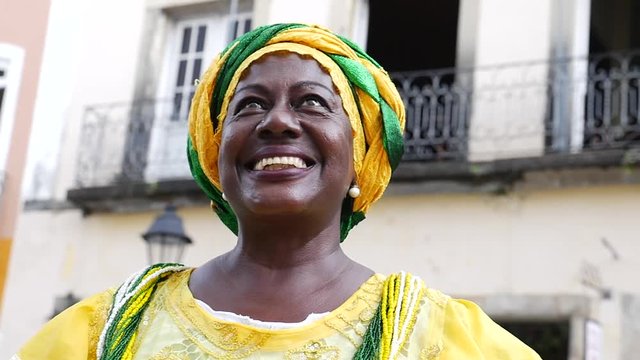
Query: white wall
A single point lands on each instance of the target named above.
(60, 58)
(345, 17)
(104, 71)
(510, 103)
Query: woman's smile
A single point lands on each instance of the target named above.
(279, 163)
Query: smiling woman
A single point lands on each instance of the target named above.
(294, 133)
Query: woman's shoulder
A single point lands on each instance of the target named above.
(75, 333)
(72, 334)
(448, 328)
(469, 331)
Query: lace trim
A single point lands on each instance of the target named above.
(430, 353)
(314, 350)
(267, 325)
(155, 304)
(352, 324)
(436, 324)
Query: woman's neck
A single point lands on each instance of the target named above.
(284, 243)
(274, 265)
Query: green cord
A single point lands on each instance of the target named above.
(370, 347)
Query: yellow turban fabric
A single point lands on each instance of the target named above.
(369, 98)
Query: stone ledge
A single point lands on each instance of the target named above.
(512, 169)
(137, 196)
(498, 177)
(502, 176)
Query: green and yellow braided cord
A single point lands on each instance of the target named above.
(393, 322)
(129, 303)
(369, 97)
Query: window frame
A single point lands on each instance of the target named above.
(168, 124)
(12, 60)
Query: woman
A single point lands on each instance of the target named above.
(294, 133)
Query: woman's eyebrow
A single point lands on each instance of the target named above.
(303, 84)
(257, 87)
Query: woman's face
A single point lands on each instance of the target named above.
(287, 142)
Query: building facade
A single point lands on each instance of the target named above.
(21, 51)
(519, 187)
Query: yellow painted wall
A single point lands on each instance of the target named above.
(5, 252)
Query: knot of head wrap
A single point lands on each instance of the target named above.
(369, 97)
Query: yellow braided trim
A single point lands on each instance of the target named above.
(401, 298)
(389, 302)
(413, 317)
(127, 316)
(406, 298)
(137, 304)
(383, 306)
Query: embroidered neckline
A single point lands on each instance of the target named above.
(349, 319)
(247, 320)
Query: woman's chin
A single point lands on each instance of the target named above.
(277, 205)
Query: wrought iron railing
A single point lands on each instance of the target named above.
(525, 109)
(142, 141)
(488, 113)
(613, 101)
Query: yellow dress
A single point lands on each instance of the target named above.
(174, 326)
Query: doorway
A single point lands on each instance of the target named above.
(410, 35)
(550, 339)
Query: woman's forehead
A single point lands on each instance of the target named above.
(285, 66)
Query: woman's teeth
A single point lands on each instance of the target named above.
(280, 162)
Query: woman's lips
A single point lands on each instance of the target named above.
(274, 163)
(280, 172)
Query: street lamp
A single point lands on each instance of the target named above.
(166, 238)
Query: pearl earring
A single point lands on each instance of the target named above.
(354, 191)
(224, 197)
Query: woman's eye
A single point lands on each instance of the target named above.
(311, 102)
(253, 105)
(249, 106)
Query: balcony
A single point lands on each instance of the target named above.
(472, 125)
(501, 121)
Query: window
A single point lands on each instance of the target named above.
(194, 49)
(11, 60)
(612, 116)
(241, 25)
(196, 35)
(3, 84)
(401, 35)
(190, 57)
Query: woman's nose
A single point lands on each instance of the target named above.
(280, 121)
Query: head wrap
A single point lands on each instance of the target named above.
(369, 97)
